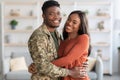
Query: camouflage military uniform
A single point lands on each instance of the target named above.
(42, 49)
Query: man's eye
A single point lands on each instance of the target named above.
(51, 14)
(59, 13)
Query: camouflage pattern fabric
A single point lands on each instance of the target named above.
(42, 49)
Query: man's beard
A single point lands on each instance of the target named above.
(54, 26)
(50, 25)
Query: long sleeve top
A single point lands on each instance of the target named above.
(72, 53)
(42, 50)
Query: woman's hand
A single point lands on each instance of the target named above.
(32, 68)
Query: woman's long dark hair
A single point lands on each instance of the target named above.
(83, 27)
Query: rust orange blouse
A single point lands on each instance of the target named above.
(72, 53)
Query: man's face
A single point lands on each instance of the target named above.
(52, 17)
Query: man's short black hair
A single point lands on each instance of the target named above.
(48, 4)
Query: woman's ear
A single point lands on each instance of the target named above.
(43, 16)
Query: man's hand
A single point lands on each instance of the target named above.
(79, 72)
(85, 64)
(32, 68)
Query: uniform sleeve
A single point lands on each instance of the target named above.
(37, 48)
(76, 52)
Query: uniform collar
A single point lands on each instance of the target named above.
(46, 31)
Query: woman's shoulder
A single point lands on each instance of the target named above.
(83, 36)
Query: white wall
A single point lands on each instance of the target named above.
(117, 9)
(0, 43)
(116, 36)
(21, 0)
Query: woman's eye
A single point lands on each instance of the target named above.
(74, 23)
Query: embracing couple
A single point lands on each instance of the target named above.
(55, 57)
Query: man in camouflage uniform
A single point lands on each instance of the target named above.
(43, 45)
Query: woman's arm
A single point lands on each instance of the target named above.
(76, 52)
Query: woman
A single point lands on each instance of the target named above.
(74, 49)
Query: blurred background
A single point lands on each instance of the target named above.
(18, 19)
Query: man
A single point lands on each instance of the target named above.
(43, 45)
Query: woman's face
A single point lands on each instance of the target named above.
(73, 23)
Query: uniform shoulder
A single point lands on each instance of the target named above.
(37, 32)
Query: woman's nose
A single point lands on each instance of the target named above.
(69, 23)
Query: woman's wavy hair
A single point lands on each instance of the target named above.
(83, 27)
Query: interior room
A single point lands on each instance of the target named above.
(19, 18)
